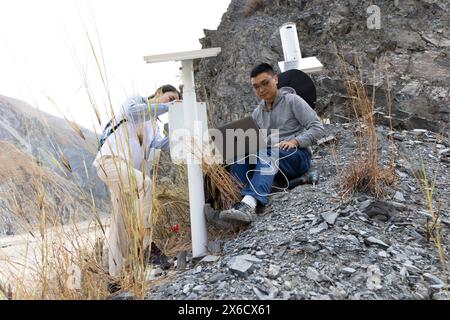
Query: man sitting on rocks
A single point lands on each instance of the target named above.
(293, 126)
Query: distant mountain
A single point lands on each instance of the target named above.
(45, 166)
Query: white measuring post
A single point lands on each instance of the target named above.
(292, 53)
(191, 116)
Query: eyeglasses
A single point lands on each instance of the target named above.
(262, 84)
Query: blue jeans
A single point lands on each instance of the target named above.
(258, 181)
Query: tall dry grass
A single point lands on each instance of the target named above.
(365, 173)
(52, 260)
(426, 181)
(67, 263)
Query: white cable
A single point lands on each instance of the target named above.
(270, 165)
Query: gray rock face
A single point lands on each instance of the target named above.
(412, 45)
(359, 256)
(40, 142)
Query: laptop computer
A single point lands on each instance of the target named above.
(238, 139)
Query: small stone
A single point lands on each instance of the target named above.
(422, 291)
(399, 196)
(338, 293)
(353, 239)
(222, 285)
(241, 266)
(217, 277)
(374, 241)
(441, 295)
(124, 296)
(418, 132)
(187, 288)
(321, 227)
(313, 274)
(348, 270)
(364, 205)
(323, 297)
(274, 271)
(403, 273)
(155, 273)
(210, 259)
(288, 285)
(198, 270)
(401, 174)
(330, 217)
(398, 137)
(379, 210)
(250, 258)
(436, 283)
(199, 288)
(411, 268)
(260, 254)
(192, 296)
(181, 260)
(285, 295)
(310, 248)
(215, 246)
(346, 212)
(264, 295)
(444, 151)
(383, 254)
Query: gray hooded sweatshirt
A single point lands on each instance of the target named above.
(292, 116)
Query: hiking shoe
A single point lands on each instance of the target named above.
(157, 257)
(113, 287)
(213, 217)
(241, 213)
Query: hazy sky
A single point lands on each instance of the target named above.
(45, 52)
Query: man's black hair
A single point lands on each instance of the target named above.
(260, 68)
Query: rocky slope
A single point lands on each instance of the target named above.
(42, 155)
(311, 244)
(412, 48)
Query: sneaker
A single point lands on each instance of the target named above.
(213, 217)
(157, 258)
(241, 213)
(113, 287)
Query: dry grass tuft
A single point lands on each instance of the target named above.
(365, 173)
(171, 218)
(171, 204)
(427, 184)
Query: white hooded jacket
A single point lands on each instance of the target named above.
(124, 142)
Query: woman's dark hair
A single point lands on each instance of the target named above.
(260, 68)
(164, 89)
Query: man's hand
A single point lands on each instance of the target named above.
(287, 145)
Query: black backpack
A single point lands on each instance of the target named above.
(109, 129)
(301, 83)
